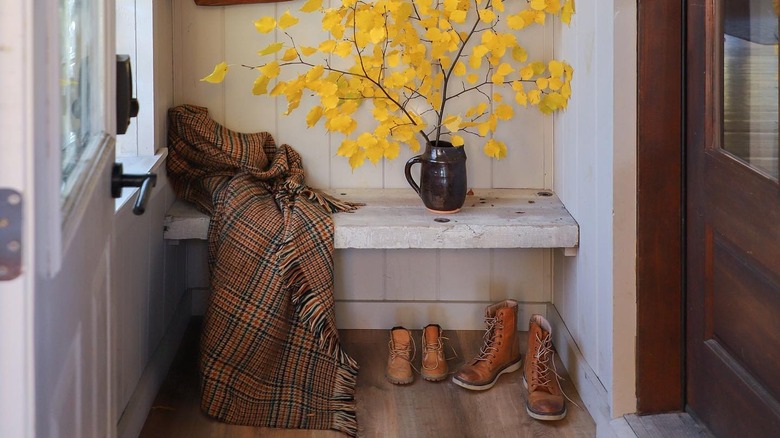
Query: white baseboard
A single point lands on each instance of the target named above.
(383, 315)
(451, 315)
(591, 390)
(132, 419)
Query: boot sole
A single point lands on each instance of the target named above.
(511, 368)
(542, 417)
(399, 382)
(435, 378)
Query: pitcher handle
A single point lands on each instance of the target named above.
(408, 171)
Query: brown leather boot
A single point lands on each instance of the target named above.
(434, 365)
(545, 398)
(399, 362)
(500, 353)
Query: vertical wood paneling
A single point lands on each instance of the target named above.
(411, 274)
(199, 36)
(525, 164)
(359, 274)
(312, 143)
(520, 274)
(163, 71)
(586, 179)
(244, 111)
(465, 275)
(364, 275)
(131, 291)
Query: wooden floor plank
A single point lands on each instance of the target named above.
(421, 409)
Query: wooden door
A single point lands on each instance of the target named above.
(57, 114)
(733, 217)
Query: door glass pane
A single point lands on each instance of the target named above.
(750, 96)
(81, 82)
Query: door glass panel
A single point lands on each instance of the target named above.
(81, 82)
(750, 78)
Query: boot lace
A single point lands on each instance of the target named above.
(488, 349)
(401, 351)
(545, 355)
(434, 348)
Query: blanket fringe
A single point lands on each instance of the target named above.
(329, 203)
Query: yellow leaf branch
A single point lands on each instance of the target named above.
(406, 55)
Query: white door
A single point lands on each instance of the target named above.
(57, 119)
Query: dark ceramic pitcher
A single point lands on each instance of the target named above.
(442, 177)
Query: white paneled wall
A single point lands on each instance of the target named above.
(595, 173)
(374, 288)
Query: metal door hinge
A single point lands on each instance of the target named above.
(10, 234)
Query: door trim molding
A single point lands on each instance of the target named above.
(660, 237)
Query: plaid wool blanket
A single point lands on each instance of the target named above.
(270, 352)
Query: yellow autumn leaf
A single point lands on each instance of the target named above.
(313, 116)
(377, 35)
(271, 69)
(452, 122)
(347, 148)
(516, 21)
(555, 68)
(534, 97)
(526, 72)
(538, 5)
(218, 75)
(542, 83)
(521, 98)
(265, 24)
(307, 51)
(504, 112)
(483, 128)
(289, 54)
(311, 6)
(392, 149)
(498, 5)
(260, 86)
(327, 46)
(393, 59)
(342, 123)
(538, 67)
(343, 49)
(457, 140)
(330, 101)
(458, 16)
(486, 16)
(553, 6)
(271, 48)
(539, 17)
(287, 20)
(414, 144)
(566, 90)
(472, 78)
(567, 11)
(450, 5)
(357, 159)
(519, 54)
(459, 69)
(495, 149)
(555, 84)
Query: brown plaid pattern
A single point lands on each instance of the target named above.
(270, 352)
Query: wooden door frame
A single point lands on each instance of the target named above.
(660, 338)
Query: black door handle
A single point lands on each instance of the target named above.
(145, 182)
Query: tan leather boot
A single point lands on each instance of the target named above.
(434, 365)
(500, 353)
(399, 362)
(545, 398)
